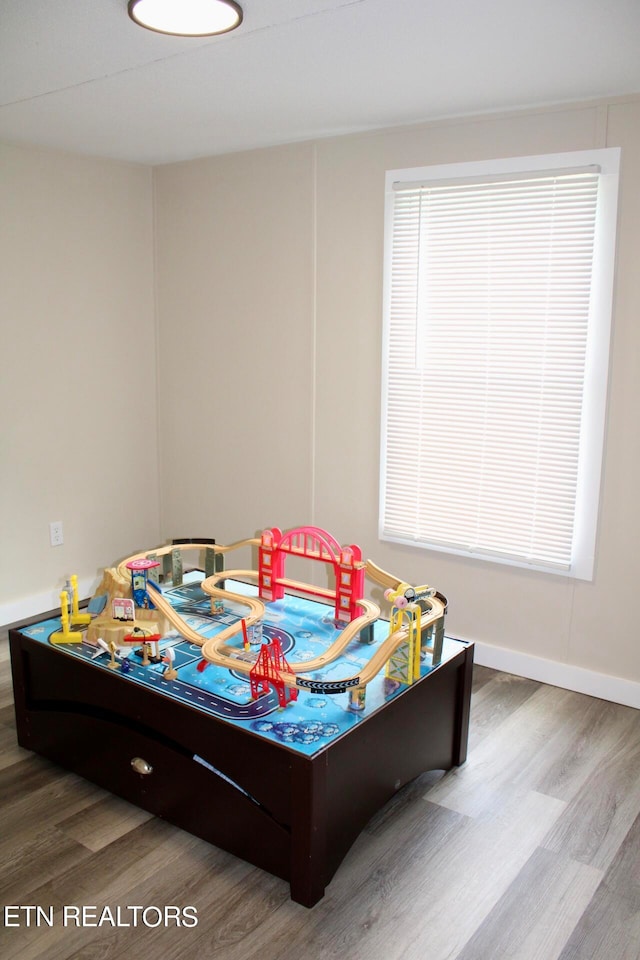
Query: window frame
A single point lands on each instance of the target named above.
(595, 382)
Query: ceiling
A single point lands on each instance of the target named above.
(79, 75)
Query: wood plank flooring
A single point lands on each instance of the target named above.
(531, 851)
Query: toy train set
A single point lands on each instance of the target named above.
(269, 716)
(416, 625)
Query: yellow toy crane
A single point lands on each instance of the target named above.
(406, 612)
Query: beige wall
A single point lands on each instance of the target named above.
(77, 347)
(235, 301)
(270, 298)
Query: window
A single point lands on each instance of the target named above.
(498, 290)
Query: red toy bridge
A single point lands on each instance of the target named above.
(268, 668)
(313, 544)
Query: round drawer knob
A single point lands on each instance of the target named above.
(141, 766)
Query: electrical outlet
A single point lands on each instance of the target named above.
(56, 535)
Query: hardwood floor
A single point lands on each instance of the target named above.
(531, 850)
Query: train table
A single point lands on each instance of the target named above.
(286, 788)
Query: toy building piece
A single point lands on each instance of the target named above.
(401, 664)
(123, 609)
(66, 635)
(213, 562)
(411, 603)
(268, 668)
(102, 648)
(112, 650)
(149, 653)
(404, 664)
(357, 698)
(177, 571)
(245, 636)
(153, 639)
(153, 574)
(313, 543)
(169, 657)
(139, 569)
(98, 603)
(109, 648)
(77, 618)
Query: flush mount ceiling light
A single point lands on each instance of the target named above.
(186, 18)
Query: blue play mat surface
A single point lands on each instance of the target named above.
(305, 628)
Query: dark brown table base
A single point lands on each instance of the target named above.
(292, 815)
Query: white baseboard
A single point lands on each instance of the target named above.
(41, 602)
(601, 685)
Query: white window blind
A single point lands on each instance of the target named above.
(497, 312)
